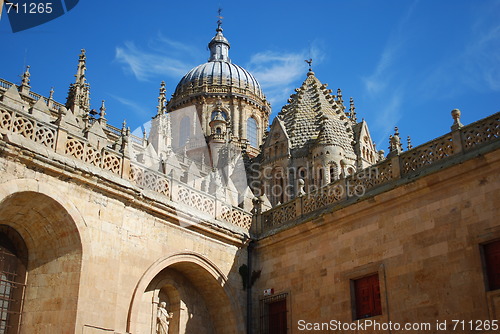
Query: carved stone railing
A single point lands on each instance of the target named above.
(104, 158)
(439, 150)
(182, 193)
(46, 134)
(146, 178)
(481, 132)
(29, 128)
(76, 146)
(53, 105)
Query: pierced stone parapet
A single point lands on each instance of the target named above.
(462, 140)
(426, 154)
(21, 124)
(481, 132)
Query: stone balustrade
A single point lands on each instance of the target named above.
(412, 162)
(115, 160)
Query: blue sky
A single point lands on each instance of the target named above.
(405, 63)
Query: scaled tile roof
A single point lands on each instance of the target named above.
(314, 116)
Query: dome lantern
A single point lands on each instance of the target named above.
(219, 46)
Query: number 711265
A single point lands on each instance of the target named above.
(474, 325)
(29, 8)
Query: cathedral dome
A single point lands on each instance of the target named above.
(219, 74)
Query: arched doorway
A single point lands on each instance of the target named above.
(38, 233)
(193, 289)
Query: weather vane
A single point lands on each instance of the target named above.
(219, 21)
(310, 61)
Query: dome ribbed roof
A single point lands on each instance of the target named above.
(219, 71)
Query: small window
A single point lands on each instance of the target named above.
(367, 297)
(492, 262)
(333, 172)
(252, 132)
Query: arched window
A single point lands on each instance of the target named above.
(333, 172)
(13, 263)
(218, 130)
(252, 132)
(184, 131)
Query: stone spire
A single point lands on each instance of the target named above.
(102, 114)
(162, 101)
(79, 92)
(219, 45)
(352, 111)
(50, 100)
(25, 82)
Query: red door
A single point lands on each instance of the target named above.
(367, 293)
(492, 259)
(277, 317)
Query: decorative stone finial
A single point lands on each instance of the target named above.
(395, 146)
(409, 145)
(352, 111)
(26, 77)
(455, 113)
(51, 93)
(25, 82)
(102, 114)
(339, 96)
(162, 101)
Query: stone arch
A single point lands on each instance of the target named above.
(203, 275)
(48, 226)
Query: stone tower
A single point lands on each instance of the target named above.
(217, 103)
(312, 142)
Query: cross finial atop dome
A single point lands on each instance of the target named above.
(220, 17)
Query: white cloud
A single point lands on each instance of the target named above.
(476, 66)
(385, 88)
(162, 57)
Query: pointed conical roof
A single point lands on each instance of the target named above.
(313, 116)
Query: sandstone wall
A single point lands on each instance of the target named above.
(95, 254)
(423, 238)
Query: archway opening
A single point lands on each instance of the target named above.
(198, 300)
(48, 245)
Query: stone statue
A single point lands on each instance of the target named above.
(163, 319)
